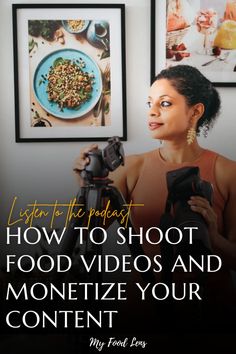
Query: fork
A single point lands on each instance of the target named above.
(106, 78)
(105, 88)
(103, 122)
(223, 57)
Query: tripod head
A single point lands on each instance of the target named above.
(94, 194)
(103, 161)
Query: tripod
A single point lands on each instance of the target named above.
(93, 195)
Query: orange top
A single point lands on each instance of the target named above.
(151, 190)
(151, 187)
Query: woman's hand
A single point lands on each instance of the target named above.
(82, 161)
(203, 207)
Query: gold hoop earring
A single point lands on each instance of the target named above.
(191, 135)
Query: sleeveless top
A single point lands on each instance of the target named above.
(151, 187)
(151, 191)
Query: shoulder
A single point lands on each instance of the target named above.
(133, 167)
(125, 177)
(136, 162)
(225, 172)
(226, 167)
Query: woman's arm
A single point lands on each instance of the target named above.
(227, 246)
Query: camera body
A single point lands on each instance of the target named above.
(186, 182)
(104, 161)
(182, 184)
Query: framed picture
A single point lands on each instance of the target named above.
(201, 33)
(70, 78)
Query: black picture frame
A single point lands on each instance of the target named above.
(106, 57)
(219, 76)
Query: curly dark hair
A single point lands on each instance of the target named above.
(196, 88)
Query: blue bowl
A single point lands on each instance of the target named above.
(40, 84)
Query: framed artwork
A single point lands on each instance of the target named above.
(69, 66)
(201, 33)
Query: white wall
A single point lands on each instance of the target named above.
(43, 171)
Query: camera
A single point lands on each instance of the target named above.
(186, 182)
(182, 184)
(103, 161)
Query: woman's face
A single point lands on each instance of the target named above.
(169, 116)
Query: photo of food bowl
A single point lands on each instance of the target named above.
(67, 83)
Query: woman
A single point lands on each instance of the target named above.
(181, 103)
